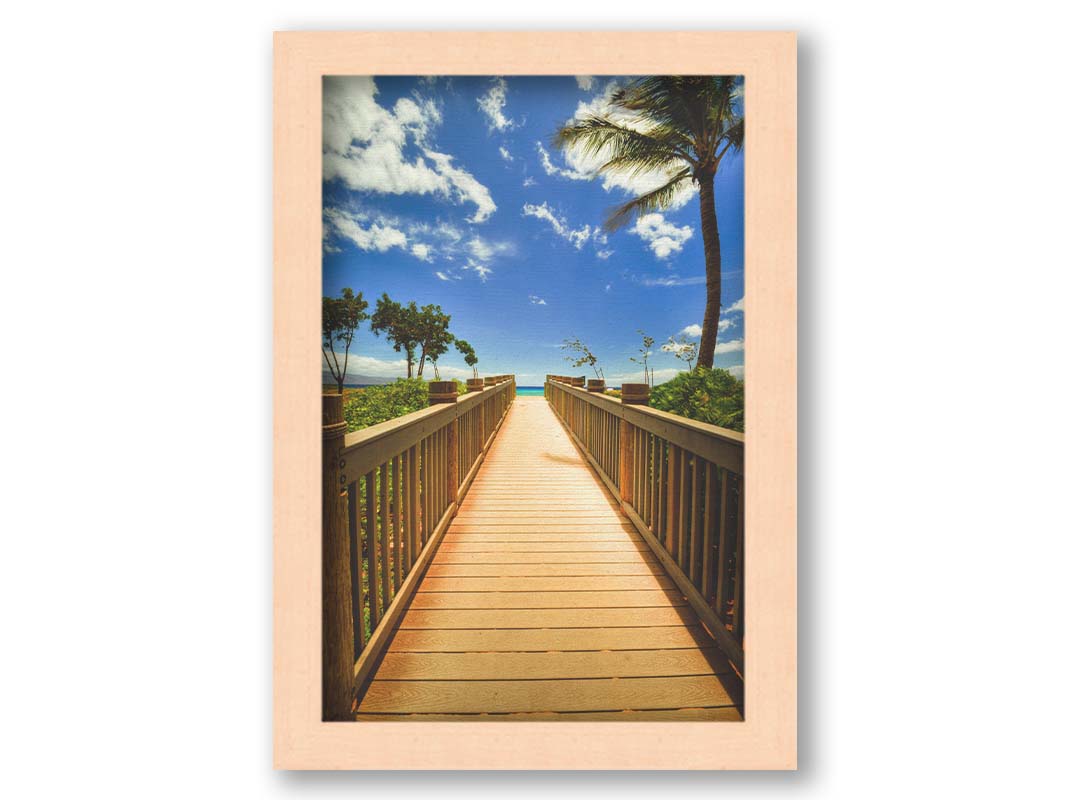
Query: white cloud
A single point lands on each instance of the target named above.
(585, 82)
(480, 269)
(376, 237)
(363, 146)
(529, 182)
(738, 371)
(465, 186)
(604, 254)
(537, 301)
(576, 236)
(582, 166)
(442, 276)
(552, 169)
(422, 251)
(607, 288)
(738, 306)
(504, 154)
(695, 331)
(492, 105)
(672, 281)
(380, 368)
(732, 346)
(663, 237)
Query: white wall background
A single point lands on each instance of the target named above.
(135, 249)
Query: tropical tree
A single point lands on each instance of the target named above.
(401, 326)
(681, 126)
(642, 357)
(340, 319)
(464, 347)
(433, 350)
(582, 356)
(683, 349)
(433, 335)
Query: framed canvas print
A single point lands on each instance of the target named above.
(535, 400)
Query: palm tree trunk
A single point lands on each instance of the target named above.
(709, 228)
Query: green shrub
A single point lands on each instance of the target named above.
(373, 404)
(706, 395)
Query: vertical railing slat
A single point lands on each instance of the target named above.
(374, 564)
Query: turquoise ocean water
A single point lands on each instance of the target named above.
(530, 391)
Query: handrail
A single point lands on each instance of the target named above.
(389, 494)
(681, 482)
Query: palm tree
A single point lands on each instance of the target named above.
(680, 125)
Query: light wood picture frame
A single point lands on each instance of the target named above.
(767, 738)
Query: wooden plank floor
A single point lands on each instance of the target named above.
(544, 603)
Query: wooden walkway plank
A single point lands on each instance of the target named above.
(544, 603)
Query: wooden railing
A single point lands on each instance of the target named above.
(681, 483)
(389, 493)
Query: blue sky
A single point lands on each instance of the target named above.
(449, 191)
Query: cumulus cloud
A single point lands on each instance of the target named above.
(737, 371)
(732, 346)
(376, 237)
(576, 236)
(663, 237)
(492, 105)
(504, 154)
(363, 146)
(421, 251)
(738, 306)
(537, 301)
(585, 82)
(695, 331)
(552, 169)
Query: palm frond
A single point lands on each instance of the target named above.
(592, 135)
(659, 199)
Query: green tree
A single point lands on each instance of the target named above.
(401, 326)
(340, 319)
(464, 347)
(433, 350)
(433, 335)
(582, 356)
(683, 349)
(680, 125)
(647, 343)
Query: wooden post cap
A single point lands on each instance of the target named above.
(443, 392)
(475, 384)
(595, 385)
(635, 394)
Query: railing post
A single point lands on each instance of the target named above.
(445, 392)
(626, 461)
(338, 632)
(633, 394)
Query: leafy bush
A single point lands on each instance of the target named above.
(373, 404)
(706, 395)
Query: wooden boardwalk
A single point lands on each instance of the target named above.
(543, 602)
